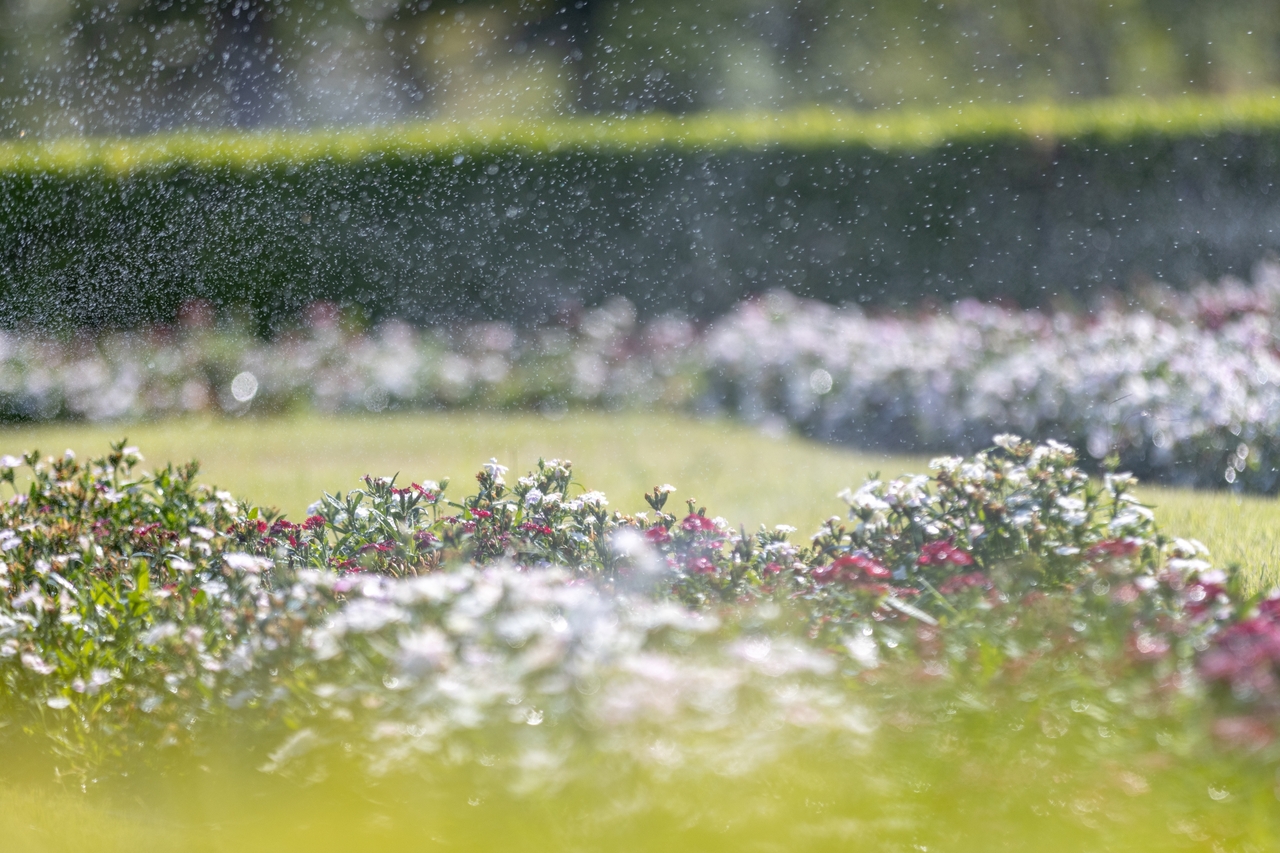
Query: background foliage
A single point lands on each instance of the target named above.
(71, 66)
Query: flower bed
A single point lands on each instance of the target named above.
(141, 611)
(1184, 389)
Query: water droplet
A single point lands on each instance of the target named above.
(244, 387)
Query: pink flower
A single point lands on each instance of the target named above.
(702, 566)
(1247, 656)
(1243, 732)
(1199, 597)
(1147, 646)
(694, 523)
(852, 569)
(943, 553)
(957, 583)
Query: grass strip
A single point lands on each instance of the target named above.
(1044, 123)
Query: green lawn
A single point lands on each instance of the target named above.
(737, 472)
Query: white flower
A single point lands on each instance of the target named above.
(36, 664)
(533, 497)
(494, 470)
(1008, 441)
(8, 462)
(950, 464)
(425, 650)
(596, 499)
(1073, 511)
(1189, 548)
(246, 562)
(160, 633)
(364, 615)
(864, 650)
(666, 489)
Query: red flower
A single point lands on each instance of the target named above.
(481, 513)
(657, 535)
(852, 569)
(943, 553)
(313, 522)
(1115, 548)
(425, 537)
(380, 547)
(1270, 609)
(695, 523)
(281, 525)
(531, 527)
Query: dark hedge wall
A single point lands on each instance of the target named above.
(512, 236)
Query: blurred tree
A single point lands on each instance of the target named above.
(103, 66)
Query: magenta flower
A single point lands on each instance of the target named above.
(943, 553)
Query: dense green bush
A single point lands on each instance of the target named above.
(516, 221)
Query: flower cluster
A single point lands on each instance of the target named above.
(526, 619)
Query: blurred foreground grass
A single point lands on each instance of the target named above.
(735, 471)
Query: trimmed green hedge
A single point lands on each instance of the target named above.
(509, 219)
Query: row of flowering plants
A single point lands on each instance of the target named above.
(1182, 387)
(144, 611)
